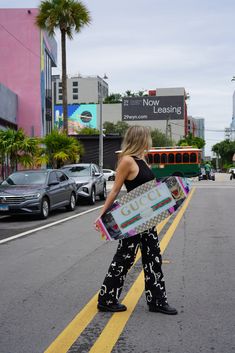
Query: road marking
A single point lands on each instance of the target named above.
(71, 333)
(48, 225)
(110, 334)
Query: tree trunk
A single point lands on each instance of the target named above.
(64, 81)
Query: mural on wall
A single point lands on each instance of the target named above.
(79, 116)
(42, 76)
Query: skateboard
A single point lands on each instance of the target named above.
(143, 208)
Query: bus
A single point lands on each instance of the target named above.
(181, 161)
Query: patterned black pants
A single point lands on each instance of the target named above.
(123, 260)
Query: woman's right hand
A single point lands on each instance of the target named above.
(96, 224)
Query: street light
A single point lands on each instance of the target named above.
(101, 153)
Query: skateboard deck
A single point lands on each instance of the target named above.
(143, 208)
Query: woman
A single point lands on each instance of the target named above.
(133, 171)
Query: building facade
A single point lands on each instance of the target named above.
(232, 125)
(80, 90)
(27, 56)
(229, 132)
(171, 118)
(8, 108)
(196, 126)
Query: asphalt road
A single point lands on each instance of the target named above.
(49, 276)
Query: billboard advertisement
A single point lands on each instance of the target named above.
(153, 108)
(79, 116)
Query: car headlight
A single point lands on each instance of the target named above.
(32, 196)
(80, 185)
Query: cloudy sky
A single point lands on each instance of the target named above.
(161, 43)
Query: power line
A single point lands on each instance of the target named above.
(210, 130)
(19, 41)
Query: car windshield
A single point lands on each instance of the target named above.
(24, 178)
(77, 171)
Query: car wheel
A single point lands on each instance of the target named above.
(92, 197)
(103, 196)
(45, 208)
(72, 202)
(112, 177)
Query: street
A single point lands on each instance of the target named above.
(50, 278)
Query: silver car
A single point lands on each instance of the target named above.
(109, 174)
(89, 180)
(37, 192)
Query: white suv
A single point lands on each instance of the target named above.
(109, 174)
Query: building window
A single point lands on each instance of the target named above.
(60, 97)
(75, 90)
(75, 84)
(60, 90)
(60, 84)
(75, 96)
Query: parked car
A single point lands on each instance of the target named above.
(89, 180)
(203, 176)
(109, 174)
(37, 192)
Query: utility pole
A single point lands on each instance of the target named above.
(167, 121)
(168, 129)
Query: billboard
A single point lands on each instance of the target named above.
(79, 116)
(153, 108)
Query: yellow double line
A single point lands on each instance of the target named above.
(117, 322)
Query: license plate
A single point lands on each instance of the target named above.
(4, 207)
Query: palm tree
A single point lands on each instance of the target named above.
(68, 16)
(16, 148)
(57, 148)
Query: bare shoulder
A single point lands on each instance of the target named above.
(126, 161)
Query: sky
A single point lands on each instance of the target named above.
(150, 44)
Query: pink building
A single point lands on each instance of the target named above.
(27, 56)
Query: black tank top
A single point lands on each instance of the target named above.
(145, 174)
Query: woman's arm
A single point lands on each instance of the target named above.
(124, 169)
(122, 173)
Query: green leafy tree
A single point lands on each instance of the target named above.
(113, 98)
(16, 148)
(109, 127)
(190, 140)
(119, 128)
(128, 93)
(68, 16)
(225, 149)
(88, 131)
(159, 139)
(58, 148)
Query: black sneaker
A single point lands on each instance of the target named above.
(164, 309)
(111, 307)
